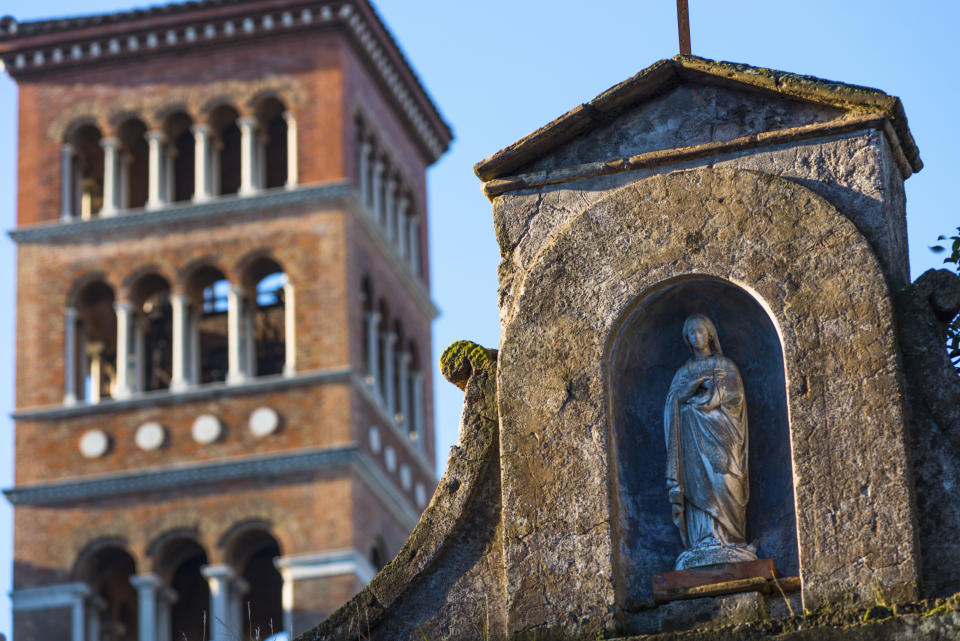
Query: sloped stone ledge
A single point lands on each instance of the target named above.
(469, 468)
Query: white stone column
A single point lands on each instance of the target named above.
(147, 586)
(289, 330)
(77, 618)
(247, 135)
(373, 351)
(123, 169)
(403, 362)
(389, 388)
(403, 226)
(235, 342)
(122, 390)
(390, 210)
(377, 186)
(66, 181)
(416, 383)
(155, 196)
(414, 244)
(292, 173)
(70, 357)
(178, 308)
(165, 600)
(364, 171)
(219, 578)
(109, 207)
(201, 152)
(286, 597)
(95, 605)
(94, 354)
(235, 611)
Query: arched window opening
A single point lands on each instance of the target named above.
(225, 152)
(384, 357)
(108, 571)
(83, 173)
(152, 334)
(179, 566)
(207, 346)
(180, 166)
(413, 393)
(133, 164)
(367, 338)
(96, 342)
(252, 555)
(398, 382)
(271, 161)
(265, 331)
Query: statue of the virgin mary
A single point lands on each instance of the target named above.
(705, 420)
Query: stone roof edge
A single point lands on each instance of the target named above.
(666, 74)
(105, 37)
(473, 369)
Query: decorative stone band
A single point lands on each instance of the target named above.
(276, 466)
(62, 595)
(499, 186)
(342, 193)
(333, 563)
(233, 24)
(173, 213)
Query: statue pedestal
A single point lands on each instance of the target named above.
(713, 580)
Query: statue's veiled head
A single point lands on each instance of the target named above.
(700, 335)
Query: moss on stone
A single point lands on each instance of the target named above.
(461, 359)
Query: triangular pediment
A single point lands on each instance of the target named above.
(686, 102)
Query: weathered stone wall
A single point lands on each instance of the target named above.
(790, 249)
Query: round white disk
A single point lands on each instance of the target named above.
(94, 443)
(206, 428)
(264, 421)
(150, 436)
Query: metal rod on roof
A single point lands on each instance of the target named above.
(683, 26)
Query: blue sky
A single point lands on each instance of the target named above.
(499, 69)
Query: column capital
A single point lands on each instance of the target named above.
(123, 306)
(222, 572)
(109, 142)
(366, 146)
(70, 312)
(201, 128)
(155, 134)
(247, 121)
(404, 357)
(180, 297)
(373, 316)
(67, 148)
(379, 165)
(288, 116)
(389, 338)
(145, 581)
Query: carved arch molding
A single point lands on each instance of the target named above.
(195, 100)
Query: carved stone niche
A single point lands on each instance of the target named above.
(645, 352)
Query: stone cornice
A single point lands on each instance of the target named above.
(253, 386)
(342, 193)
(274, 466)
(175, 213)
(36, 47)
(160, 398)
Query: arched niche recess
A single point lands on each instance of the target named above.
(646, 351)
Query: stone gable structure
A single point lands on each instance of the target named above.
(223, 316)
(772, 204)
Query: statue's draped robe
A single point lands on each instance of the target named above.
(707, 452)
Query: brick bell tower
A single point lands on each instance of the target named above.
(223, 422)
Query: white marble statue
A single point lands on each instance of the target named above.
(705, 420)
